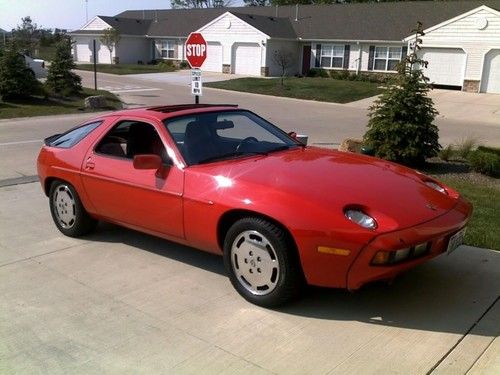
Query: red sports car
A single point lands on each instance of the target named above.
(224, 180)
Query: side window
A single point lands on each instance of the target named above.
(73, 136)
(177, 129)
(130, 138)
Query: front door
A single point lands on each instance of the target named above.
(141, 198)
(306, 60)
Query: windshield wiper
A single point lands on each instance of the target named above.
(231, 154)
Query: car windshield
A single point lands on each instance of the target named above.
(214, 136)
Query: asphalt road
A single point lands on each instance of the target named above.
(120, 301)
(462, 115)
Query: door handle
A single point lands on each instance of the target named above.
(89, 164)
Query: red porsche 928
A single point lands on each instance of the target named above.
(224, 180)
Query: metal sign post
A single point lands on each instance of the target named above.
(196, 54)
(196, 85)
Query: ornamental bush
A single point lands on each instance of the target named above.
(401, 125)
(60, 79)
(485, 162)
(17, 80)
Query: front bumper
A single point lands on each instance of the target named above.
(438, 231)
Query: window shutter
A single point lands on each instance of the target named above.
(347, 50)
(317, 63)
(371, 57)
(404, 52)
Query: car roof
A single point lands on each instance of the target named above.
(167, 111)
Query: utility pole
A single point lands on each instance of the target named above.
(86, 10)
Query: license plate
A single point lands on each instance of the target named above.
(455, 241)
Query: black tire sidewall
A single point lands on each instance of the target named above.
(83, 222)
(288, 281)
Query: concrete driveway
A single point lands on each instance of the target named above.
(123, 302)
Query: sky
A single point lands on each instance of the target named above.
(67, 14)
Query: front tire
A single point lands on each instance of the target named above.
(67, 210)
(262, 263)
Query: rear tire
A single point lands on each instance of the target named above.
(262, 263)
(67, 210)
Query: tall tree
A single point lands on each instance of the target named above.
(110, 39)
(189, 4)
(60, 79)
(257, 3)
(26, 35)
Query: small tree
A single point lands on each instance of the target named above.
(110, 39)
(283, 60)
(16, 79)
(60, 79)
(401, 125)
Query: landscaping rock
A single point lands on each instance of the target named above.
(95, 102)
(351, 145)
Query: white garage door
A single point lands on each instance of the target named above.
(103, 56)
(491, 72)
(213, 63)
(446, 65)
(83, 52)
(246, 59)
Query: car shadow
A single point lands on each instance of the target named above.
(107, 232)
(447, 294)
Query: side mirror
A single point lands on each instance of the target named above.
(302, 138)
(147, 161)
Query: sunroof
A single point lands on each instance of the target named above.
(182, 107)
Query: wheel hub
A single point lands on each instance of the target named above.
(64, 205)
(255, 262)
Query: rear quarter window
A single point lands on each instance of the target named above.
(73, 136)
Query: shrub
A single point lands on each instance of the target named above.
(60, 79)
(16, 79)
(318, 72)
(493, 150)
(465, 146)
(401, 125)
(184, 65)
(485, 162)
(447, 153)
(166, 64)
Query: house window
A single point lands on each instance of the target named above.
(332, 56)
(167, 49)
(387, 58)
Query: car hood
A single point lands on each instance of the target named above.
(331, 180)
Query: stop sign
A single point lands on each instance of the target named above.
(196, 50)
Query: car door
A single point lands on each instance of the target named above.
(144, 199)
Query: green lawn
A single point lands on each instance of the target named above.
(127, 68)
(38, 106)
(321, 89)
(483, 229)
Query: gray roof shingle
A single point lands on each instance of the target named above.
(124, 25)
(391, 21)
